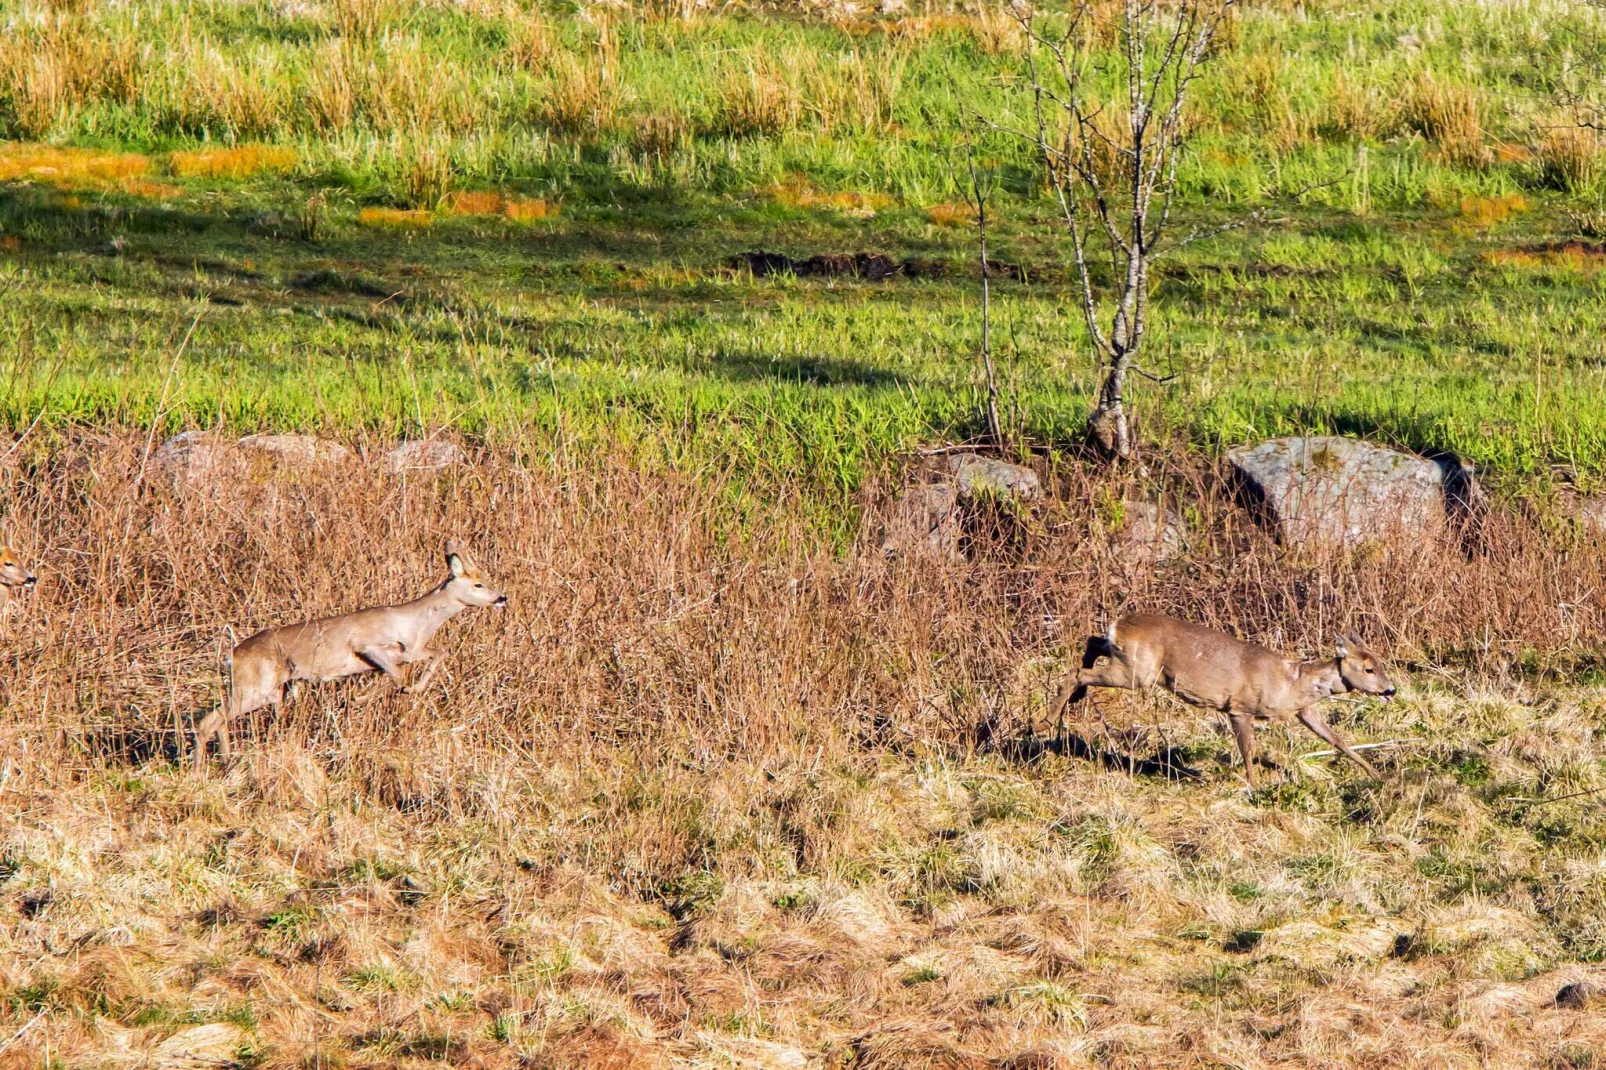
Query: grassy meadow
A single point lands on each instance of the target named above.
(724, 786)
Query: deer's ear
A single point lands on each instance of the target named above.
(1343, 643)
(454, 559)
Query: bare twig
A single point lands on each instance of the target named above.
(161, 406)
(978, 197)
(1385, 744)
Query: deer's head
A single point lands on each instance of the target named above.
(466, 583)
(1361, 669)
(12, 571)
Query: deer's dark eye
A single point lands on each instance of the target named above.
(482, 585)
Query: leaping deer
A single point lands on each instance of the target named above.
(1246, 681)
(381, 639)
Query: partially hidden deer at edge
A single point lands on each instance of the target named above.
(381, 639)
(1246, 681)
(12, 574)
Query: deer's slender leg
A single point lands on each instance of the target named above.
(380, 660)
(1113, 673)
(206, 730)
(431, 656)
(1243, 729)
(1072, 690)
(1314, 721)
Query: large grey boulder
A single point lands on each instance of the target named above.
(926, 518)
(191, 455)
(1342, 491)
(296, 451)
(425, 454)
(979, 476)
(200, 456)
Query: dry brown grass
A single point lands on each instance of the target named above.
(580, 98)
(948, 214)
(396, 217)
(51, 65)
(798, 192)
(697, 799)
(69, 168)
(427, 175)
(490, 203)
(1568, 158)
(1450, 115)
(236, 162)
(1483, 212)
(756, 100)
(1356, 109)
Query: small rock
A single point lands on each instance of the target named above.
(1592, 515)
(756, 1054)
(984, 475)
(299, 450)
(1578, 996)
(424, 454)
(217, 1044)
(1150, 535)
(1342, 491)
(924, 519)
(191, 454)
(1312, 946)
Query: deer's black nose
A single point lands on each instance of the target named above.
(30, 581)
(502, 601)
(1389, 691)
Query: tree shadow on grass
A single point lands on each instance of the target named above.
(811, 371)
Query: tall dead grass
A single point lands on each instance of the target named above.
(632, 600)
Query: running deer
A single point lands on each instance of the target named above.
(1204, 667)
(382, 639)
(12, 574)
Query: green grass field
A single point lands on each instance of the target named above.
(1415, 296)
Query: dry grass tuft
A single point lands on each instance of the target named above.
(1357, 110)
(529, 209)
(952, 215)
(475, 202)
(1568, 158)
(799, 192)
(238, 162)
(1450, 115)
(1484, 212)
(661, 133)
(490, 203)
(756, 101)
(580, 98)
(426, 176)
(531, 41)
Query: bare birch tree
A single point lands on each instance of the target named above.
(1111, 164)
